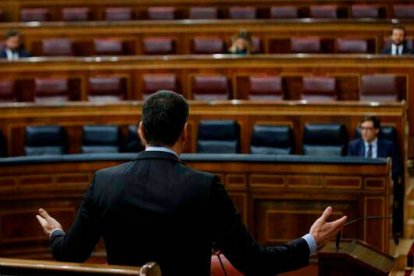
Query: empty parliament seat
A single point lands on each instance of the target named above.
(242, 13)
(404, 11)
(133, 143)
(42, 140)
(57, 47)
(208, 45)
(366, 11)
(256, 45)
(284, 12)
(351, 45)
(381, 88)
(76, 14)
(203, 13)
(271, 139)
(8, 92)
(218, 136)
(108, 46)
(158, 46)
(106, 89)
(34, 14)
(323, 11)
(305, 45)
(265, 88)
(51, 90)
(161, 13)
(155, 82)
(100, 139)
(214, 87)
(324, 139)
(118, 14)
(319, 89)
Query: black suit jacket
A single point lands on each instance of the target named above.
(23, 53)
(406, 50)
(385, 149)
(156, 209)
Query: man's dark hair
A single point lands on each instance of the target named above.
(11, 33)
(398, 27)
(375, 121)
(164, 115)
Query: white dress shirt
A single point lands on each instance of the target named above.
(374, 144)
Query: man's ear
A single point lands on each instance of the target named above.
(377, 130)
(185, 134)
(141, 133)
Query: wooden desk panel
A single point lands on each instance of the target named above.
(273, 213)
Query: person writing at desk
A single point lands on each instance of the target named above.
(241, 44)
(155, 208)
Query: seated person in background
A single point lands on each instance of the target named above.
(370, 146)
(241, 43)
(155, 208)
(398, 43)
(13, 48)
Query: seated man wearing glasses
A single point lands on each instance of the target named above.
(372, 146)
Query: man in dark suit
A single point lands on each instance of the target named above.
(398, 44)
(155, 208)
(13, 48)
(371, 146)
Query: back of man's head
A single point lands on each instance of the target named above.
(164, 115)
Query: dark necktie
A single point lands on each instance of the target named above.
(369, 153)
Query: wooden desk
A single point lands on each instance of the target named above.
(278, 197)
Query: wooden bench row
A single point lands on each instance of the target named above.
(178, 37)
(266, 192)
(235, 68)
(262, 9)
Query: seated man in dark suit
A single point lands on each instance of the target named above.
(155, 208)
(13, 48)
(371, 146)
(398, 43)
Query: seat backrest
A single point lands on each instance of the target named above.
(203, 13)
(57, 47)
(242, 13)
(265, 88)
(161, 13)
(76, 14)
(381, 88)
(207, 45)
(42, 140)
(100, 139)
(210, 87)
(133, 143)
(323, 11)
(218, 136)
(51, 90)
(324, 139)
(8, 91)
(319, 88)
(365, 11)
(404, 11)
(106, 89)
(108, 46)
(118, 14)
(351, 45)
(305, 45)
(34, 14)
(155, 82)
(158, 46)
(271, 139)
(279, 12)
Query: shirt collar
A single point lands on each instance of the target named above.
(164, 149)
(373, 142)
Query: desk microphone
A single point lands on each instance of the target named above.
(338, 236)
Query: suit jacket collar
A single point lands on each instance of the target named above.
(157, 155)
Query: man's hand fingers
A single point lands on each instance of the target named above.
(41, 220)
(44, 214)
(326, 214)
